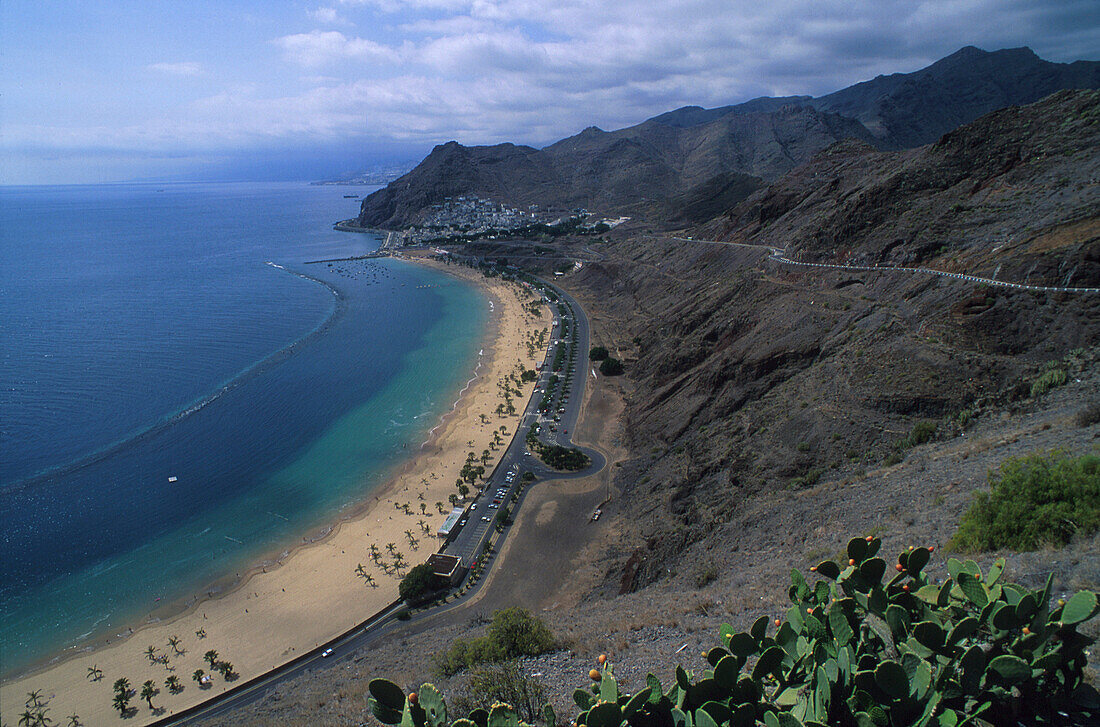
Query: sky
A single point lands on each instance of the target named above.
(113, 90)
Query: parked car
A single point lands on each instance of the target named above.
(326, 653)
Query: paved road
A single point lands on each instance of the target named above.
(780, 256)
(516, 460)
(466, 544)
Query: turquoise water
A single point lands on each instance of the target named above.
(147, 337)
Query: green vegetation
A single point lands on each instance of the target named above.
(1053, 375)
(611, 367)
(922, 433)
(1033, 501)
(418, 583)
(514, 632)
(855, 649)
(561, 458)
(598, 353)
(507, 683)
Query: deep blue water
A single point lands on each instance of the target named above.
(143, 336)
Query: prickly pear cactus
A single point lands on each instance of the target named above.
(867, 644)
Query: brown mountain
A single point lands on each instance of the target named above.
(684, 165)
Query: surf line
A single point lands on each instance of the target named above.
(461, 393)
(246, 374)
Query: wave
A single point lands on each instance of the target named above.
(263, 364)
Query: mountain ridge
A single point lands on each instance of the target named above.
(642, 169)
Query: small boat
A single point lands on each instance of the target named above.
(351, 196)
(173, 478)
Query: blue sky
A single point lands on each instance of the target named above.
(110, 90)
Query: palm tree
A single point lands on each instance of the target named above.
(28, 718)
(174, 685)
(439, 506)
(423, 508)
(201, 633)
(34, 699)
(373, 549)
(370, 580)
(148, 691)
(453, 498)
(197, 676)
(174, 642)
(392, 547)
(74, 721)
(211, 657)
(151, 654)
(361, 571)
(121, 699)
(94, 673)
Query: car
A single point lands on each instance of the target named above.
(485, 518)
(492, 507)
(326, 653)
(474, 506)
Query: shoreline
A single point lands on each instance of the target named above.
(63, 673)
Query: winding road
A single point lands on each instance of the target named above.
(780, 255)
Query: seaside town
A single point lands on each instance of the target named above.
(470, 217)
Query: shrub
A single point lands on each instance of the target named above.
(598, 353)
(513, 632)
(611, 367)
(506, 682)
(1033, 501)
(855, 648)
(922, 432)
(1053, 375)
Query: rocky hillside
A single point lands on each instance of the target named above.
(1011, 196)
(665, 168)
(751, 376)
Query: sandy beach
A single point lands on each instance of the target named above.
(276, 613)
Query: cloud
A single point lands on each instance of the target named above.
(319, 48)
(485, 71)
(521, 70)
(328, 16)
(178, 69)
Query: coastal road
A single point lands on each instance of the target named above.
(517, 460)
(467, 542)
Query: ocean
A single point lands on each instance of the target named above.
(184, 396)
